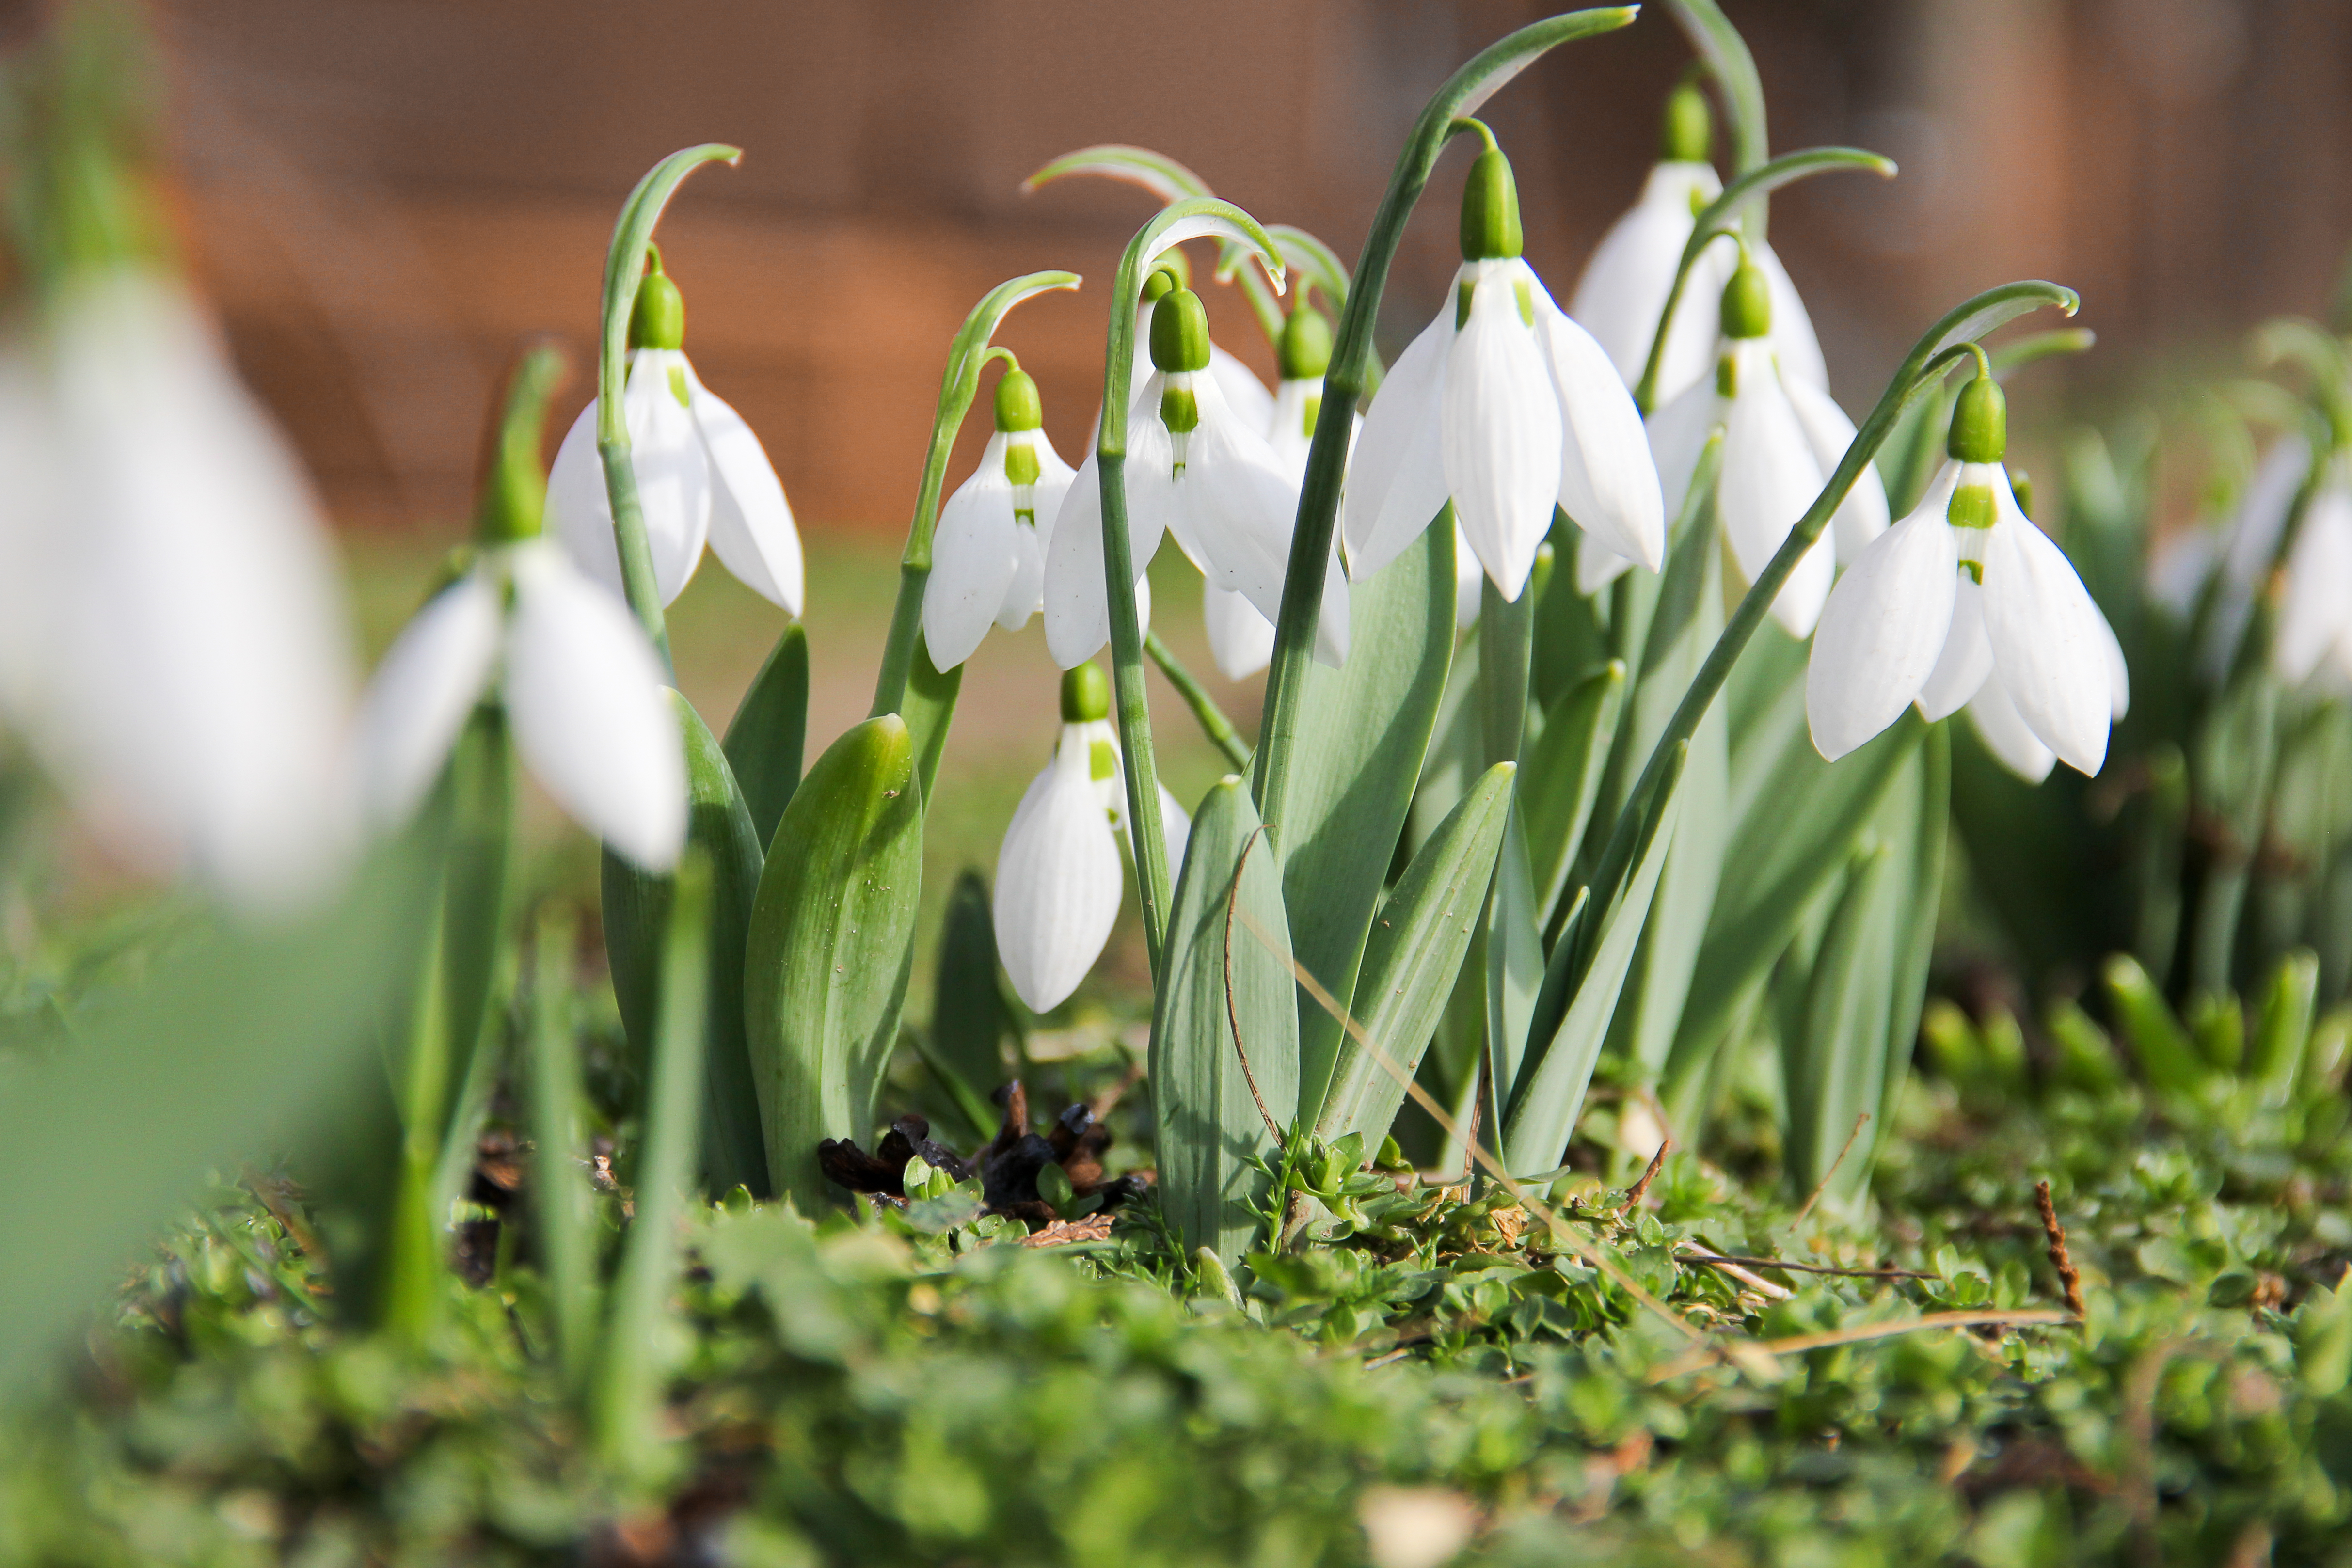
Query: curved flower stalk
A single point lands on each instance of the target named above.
(1781, 436)
(1057, 873)
(1508, 408)
(2314, 639)
(1246, 395)
(989, 551)
(580, 681)
(1198, 469)
(702, 474)
(1965, 601)
(171, 636)
(1625, 288)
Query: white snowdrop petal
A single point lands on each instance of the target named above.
(1862, 515)
(2048, 650)
(1625, 285)
(2179, 567)
(1288, 432)
(1396, 484)
(1241, 641)
(752, 527)
(1499, 428)
(1467, 596)
(1024, 594)
(586, 695)
(2317, 609)
(1794, 345)
(1243, 392)
(2007, 736)
(1175, 827)
(1597, 566)
(1608, 484)
(1057, 884)
(1677, 433)
(429, 681)
(2118, 667)
(1768, 478)
(1966, 661)
(1053, 480)
(1880, 633)
(1236, 501)
(1077, 618)
(975, 555)
(673, 471)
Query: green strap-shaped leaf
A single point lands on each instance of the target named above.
(1923, 892)
(969, 1018)
(637, 914)
(769, 733)
(831, 946)
(1364, 731)
(2167, 1057)
(1514, 957)
(1551, 1092)
(929, 708)
(1416, 948)
(1225, 1018)
(1564, 772)
(1831, 1061)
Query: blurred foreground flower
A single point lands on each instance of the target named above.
(989, 553)
(2313, 641)
(1057, 875)
(172, 639)
(702, 474)
(1965, 601)
(1507, 407)
(580, 684)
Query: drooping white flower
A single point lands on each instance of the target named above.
(1623, 290)
(1965, 601)
(1058, 878)
(1244, 393)
(702, 476)
(1195, 469)
(1508, 408)
(2314, 638)
(1782, 437)
(173, 645)
(579, 682)
(988, 559)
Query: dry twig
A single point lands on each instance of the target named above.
(1815, 1195)
(2060, 1259)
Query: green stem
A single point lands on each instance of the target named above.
(413, 1292)
(1195, 217)
(1944, 343)
(959, 385)
(565, 1223)
(1214, 722)
(1719, 42)
(625, 264)
(1345, 382)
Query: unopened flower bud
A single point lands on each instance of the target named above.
(1490, 210)
(658, 321)
(1980, 422)
(1180, 332)
(1017, 405)
(1746, 302)
(1086, 695)
(1305, 352)
(1687, 134)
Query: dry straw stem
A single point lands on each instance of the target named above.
(1824, 1184)
(1860, 1334)
(2060, 1259)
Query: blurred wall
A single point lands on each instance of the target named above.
(385, 195)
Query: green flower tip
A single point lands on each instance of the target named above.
(1746, 302)
(1490, 210)
(1017, 406)
(1086, 695)
(658, 319)
(1180, 332)
(1687, 134)
(1305, 352)
(1980, 422)
(513, 505)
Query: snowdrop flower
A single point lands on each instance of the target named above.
(1782, 437)
(1241, 640)
(171, 639)
(1506, 407)
(2315, 617)
(1624, 287)
(702, 476)
(989, 552)
(1251, 403)
(1057, 876)
(1195, 469)
(581, 686)
(1966, 599)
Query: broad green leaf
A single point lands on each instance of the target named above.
(929, 708)
(1364, 730)
(1831, 1061)
(969, 1022)
(1564, 771)
(637, 913)
(831, 946)
(2289, 1004)
(1545, 1105)
(769, 732)
(1227, 927)
(1416, 950)
(1571, 629)
(1922, 856)
(2167, 1057)
(243, 1039)
(562, 1201)
(1514, 956)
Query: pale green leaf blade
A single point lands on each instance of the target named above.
(831, 945)
(1831, 1061)
(1564, 773)
(929, 709)
(769, 733)
(1416, 949)
(969, 1020)
(1227, 922)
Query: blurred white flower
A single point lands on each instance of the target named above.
(702, 474)
(1058, 878)
(582, 687)
(2314, 639)
(988, 551)
(171, 636)
(1415, 1526)
(1508, 408)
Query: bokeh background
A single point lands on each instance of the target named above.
(385, 196)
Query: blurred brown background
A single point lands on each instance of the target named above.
(385, 194)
